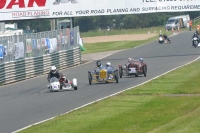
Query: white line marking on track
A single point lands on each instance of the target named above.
(107, 96)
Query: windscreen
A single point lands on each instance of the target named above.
(171, 21)
(53, 79)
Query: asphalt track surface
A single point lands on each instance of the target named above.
(30, 101)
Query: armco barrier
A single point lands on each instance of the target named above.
(26, 68)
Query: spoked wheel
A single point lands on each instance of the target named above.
(145, 71)
(116, 77)
(90, 78)
(120, 72)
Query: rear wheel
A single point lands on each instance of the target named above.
(76, 88)
(90, 78)
(120, 72)
(116, 78)
(145, 71)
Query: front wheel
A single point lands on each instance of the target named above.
(195, 43)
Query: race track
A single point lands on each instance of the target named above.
(30, 101)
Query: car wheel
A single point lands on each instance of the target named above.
(90, 78)
(116, 78)
(120, 72)
(136, 75)
(145, 71)
(76, 88)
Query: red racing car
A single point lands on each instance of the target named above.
(134, 67)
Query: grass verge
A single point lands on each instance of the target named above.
(170, 103)
(109, 46)
(125, 31)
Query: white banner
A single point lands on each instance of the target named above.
(30, 9)
(53, 45)
(19, 50)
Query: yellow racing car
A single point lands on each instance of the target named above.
(103, 74)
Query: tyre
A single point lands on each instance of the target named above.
(76, 88)
(90, 78)
(136, 75)
(116, 78)
(145, 71)
(120, 72)
(195, 43)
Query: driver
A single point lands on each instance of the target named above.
(109, 70)
(166, 37)
(99, 65)
(53, 73)
(141, 60)
(129, 60)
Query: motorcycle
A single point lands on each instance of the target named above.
(160, 39)
(163, 40)
(56, 85)
(195, 41)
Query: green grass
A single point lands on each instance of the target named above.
(159, 106)
(109, 46)
(124, 31)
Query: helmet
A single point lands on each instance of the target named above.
(129, 60)
(64, 77)
(53, 69)
(98, 63)
(141, 59)
(108, 64)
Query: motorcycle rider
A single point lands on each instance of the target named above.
(160, 35)
(64, 81)
(53, 73)
(195, 35)
(166, 38)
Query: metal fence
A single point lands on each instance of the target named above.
(23, 46)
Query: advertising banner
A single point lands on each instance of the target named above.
(28, 46)
(1, 51)
(71, 38)
(32, 9)
(19, 50)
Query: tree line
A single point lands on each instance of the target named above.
(131, 21)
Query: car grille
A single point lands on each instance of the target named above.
(103, 74)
